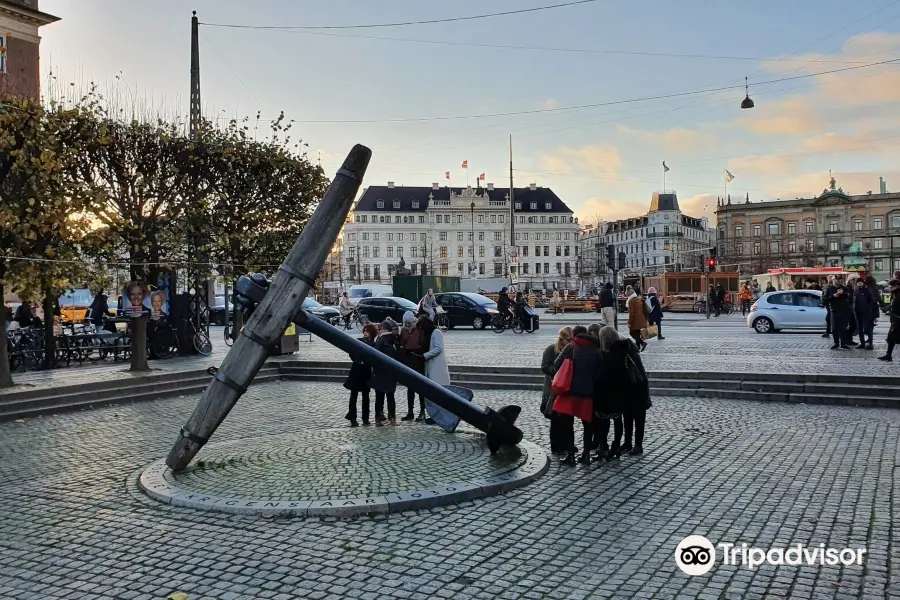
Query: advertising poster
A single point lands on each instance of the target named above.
(140, 299)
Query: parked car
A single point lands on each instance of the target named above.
(789, 309)
(327, 313)
(217, 311)
(466, 308)
(369, 290)
(73, 306)
(378, 309)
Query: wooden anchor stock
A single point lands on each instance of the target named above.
(275, 312)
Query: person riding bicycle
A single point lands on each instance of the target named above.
(346, 309)
(429, 305)
(504, 305)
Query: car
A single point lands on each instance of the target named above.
(379, 309)
(328, 314)
(369, 290)
(789, 309)
(73, 306)
(217, 311)
(467, 309)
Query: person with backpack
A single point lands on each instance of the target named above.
(384, 384)
(358, 380)
(577, 400)
(623, 391)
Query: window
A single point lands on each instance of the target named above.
(792, 228)
(443, 236)
(666, 230)
(396, 204)
(524, 268)
(537, 268)
(879, 264)
(809, 245)
(498, 268)
(399, 237)
(559, 250)
(756, 230)
(399, 251)
(459, 251)
(459, 267)
(833, 245)
(566, 248)
(833, 225)
(445, 269)
(365, 236)
(857, 225)
(537, 250)
(443, 251)
(481, 268)
(498, 236)
(792, 246)
(534, 206)
(773, 229)
(390, 237)
(446, 218)
(559, 267)
(375, 251)
(547, 268)
(518, 236)
(377, 273)
(548, 205)
(756, 247)
(774, 248)
(351, 251)
(895, 221)
(459, 218)
(471, 236)
(390, 252)
(498, 251)
(876, 223)
(439, 218)
(493, 218)
(480, 236)
(559, 235)
(546, 250)
(379, 204)
(421, 218)
(879, 244)
(524, 250)
(459, 236)
(481, 218)
(738, 231)
(809, 227)
(481, 251)
(739, 248)
(365, 252)
(365, 271)
(518, 205)
(543, 219)
(471, 249)
(567, 235)
(502, 218)
(415, 252)
(422, 237)
(415, 204)
(666, 245)
(546, 235)
(375, 236)
(896, 263)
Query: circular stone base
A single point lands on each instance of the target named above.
(344, 472)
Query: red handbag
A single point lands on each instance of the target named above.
(562, 381)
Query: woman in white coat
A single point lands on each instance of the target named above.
(436, 367)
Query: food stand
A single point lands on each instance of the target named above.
(679, 292)
(797, 276)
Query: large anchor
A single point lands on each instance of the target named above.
(270, 307)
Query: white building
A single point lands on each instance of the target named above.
(448, 231)
(662, 240)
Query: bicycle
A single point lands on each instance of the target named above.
(442, 320)
(229, 336)
(358, 319)
(500, 323)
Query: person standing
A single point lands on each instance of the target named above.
(893, 311)
(839, 300)
(656, 311)
(720, 298)
(24, 315)
(358, 380)
(826, 302)
(624, 391)
(98, 311)
(865, 309)
(346, 309)
(637, 317)
(411, 341)
(770, 288)
(382, 382)
(745, 296)
(584, 351)
(557, 432)
(556, 302)
(607, 305)
(436, 367)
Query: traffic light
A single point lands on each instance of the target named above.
(611, 256)
(712, 262)
(621, 260)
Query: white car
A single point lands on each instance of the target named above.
(790, 309)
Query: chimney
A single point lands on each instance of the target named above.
(390, 184)
(532, 186)
(435, 186)
(490, 187)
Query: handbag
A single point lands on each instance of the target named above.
(651, 332)
(562, 381)
(634, 373)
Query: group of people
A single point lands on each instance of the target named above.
(418, 344)
(854, 308)
(607, 384)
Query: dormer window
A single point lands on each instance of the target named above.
(548, 205)
(518, 205)
(380, 204)
(396, 204)
(534, 206)
(415, 204)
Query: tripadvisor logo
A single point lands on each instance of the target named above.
(696, 555)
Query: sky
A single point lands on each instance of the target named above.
(605, 161)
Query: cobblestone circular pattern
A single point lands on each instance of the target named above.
(344, 472)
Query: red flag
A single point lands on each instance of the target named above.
(465, 164)
(481, 177)
(447, 175)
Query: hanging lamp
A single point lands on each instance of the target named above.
(747, 102)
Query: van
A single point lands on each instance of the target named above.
(368, 290)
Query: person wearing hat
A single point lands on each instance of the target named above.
(656, 313)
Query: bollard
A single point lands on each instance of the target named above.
(139, 344)
(292, 283)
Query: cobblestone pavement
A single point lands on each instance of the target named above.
(723, 344)
(762, 474)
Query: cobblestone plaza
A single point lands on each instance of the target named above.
(74, 524)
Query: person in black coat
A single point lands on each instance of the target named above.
(623, 391)
(358, 380)
(865, 309)
(838, 299)
(656, 312)
(98, 310)
(893, 312)
(23, 316)
(384, 384)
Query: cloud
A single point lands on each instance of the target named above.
(586, 158)
(701, 205)
(854, 183)
(864, 142)
(793, 116)
(683, 141)
(608, 210)
(548, 104)
(761, 165)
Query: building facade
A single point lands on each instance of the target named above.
(593, 264)
(811, 232)
(663, 240)
(462, 232)
(20, 64)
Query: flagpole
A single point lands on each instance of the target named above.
(664, 178)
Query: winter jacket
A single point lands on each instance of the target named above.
(360, 373)
(436, 367)
(615, 391)
(387, 343)
(838, 304)
(893, 335)
(656, 313)
(606, 298)
(549, 371)
(585, 354)
(99, 309)
(411, 340)
(637, 314)
(865, 306)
